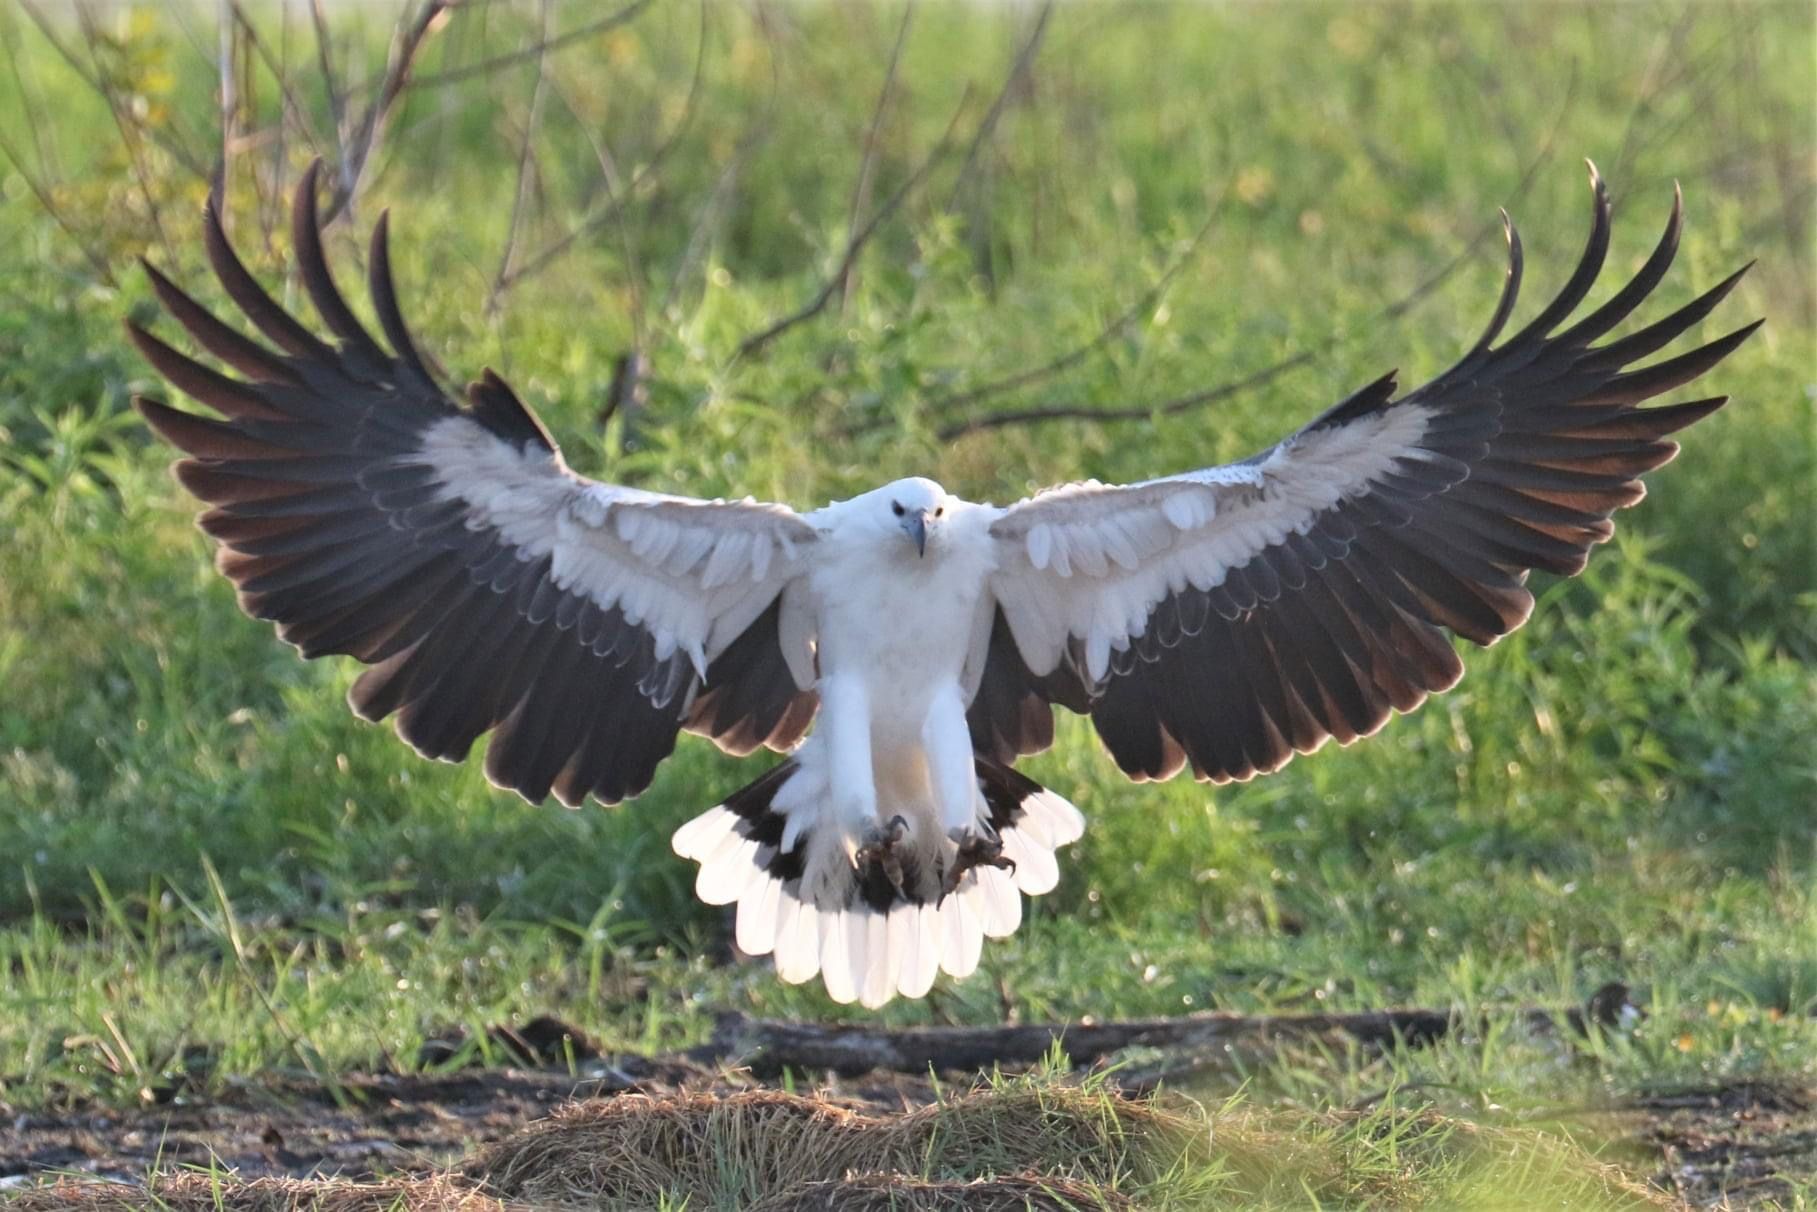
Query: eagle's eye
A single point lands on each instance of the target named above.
(897, 507)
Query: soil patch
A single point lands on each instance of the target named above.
(479, 1140)
(1730, 1146)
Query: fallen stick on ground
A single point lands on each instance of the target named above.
(768, 1046)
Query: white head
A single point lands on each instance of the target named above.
(914, 509)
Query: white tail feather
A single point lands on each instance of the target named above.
(962, 934)
(835, 963)
(860, 953)
(700, 837)
(757, 913)
(1001, 904)
(797, 947)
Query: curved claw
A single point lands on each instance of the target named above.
(880, 848)
(975, 850)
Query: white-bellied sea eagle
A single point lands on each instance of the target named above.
(1222, 619)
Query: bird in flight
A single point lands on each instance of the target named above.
(1222, 619)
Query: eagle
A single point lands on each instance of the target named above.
(904, 648)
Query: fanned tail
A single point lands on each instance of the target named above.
(773, 849)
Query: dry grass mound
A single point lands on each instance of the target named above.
(894, 1193)
(743, 1149)
(198, 1192)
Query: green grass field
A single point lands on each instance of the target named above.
(203, 853)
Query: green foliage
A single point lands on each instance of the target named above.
(1622, 790)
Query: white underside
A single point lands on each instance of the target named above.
(898, 639)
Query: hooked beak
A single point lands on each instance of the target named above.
(915, 526)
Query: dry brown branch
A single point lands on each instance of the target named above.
(42, 193)
(130, 131)
(34, 109)
(708, 217)
(642, 178)
(768, 1047)
(92, 77)
(861, 192)
(520, 196)
(539, 50)
(357, 149)
(324, 60)
(988, 127)
(1267, 374)
(294, 110)
(609, 177)
(1066, 361)
(757, 341)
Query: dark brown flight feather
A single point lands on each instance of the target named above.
(335, 526)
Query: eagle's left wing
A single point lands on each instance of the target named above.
(363, 510)
(1231, 617)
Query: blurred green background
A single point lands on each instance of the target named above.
(1141, 204)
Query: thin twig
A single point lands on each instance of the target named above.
(34, 110)
(757, 341)
(608, 171)
(51, 208)
(409, 40)
(1267, 374)
(129, 130)
(768, 1046)
(861, 192)
(1000, 103)
(293, 107)
(520, 196)
(324, 58)
(1066, 361)
(709, 214)
(541, 48)
(91, 78)
(642, 177)
(230, 101)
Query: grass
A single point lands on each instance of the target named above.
(209, 870)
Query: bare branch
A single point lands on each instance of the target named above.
(34, 110)
(358, 150)
(1141, 306)
(324, 58)
(1267, 374)
(92, 78)
(521, 194)
(608, 171)
(40, 192)
(768, 1046)
(129, 130)
(709, 214)
(861, 192)
(644, 176)
(293, 107)
(757, 341)
(540, 49)
(988, 127)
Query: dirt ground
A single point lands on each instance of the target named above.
(1737, 1143)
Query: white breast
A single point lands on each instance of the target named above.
(901, 622)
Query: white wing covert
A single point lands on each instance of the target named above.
(450, 548)
(1230, 617)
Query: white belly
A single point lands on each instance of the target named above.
(901, 627)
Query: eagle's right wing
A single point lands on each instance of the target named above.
(451, 549)
(1230, 617)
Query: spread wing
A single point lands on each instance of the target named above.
(451, 549)
(1230, 617)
